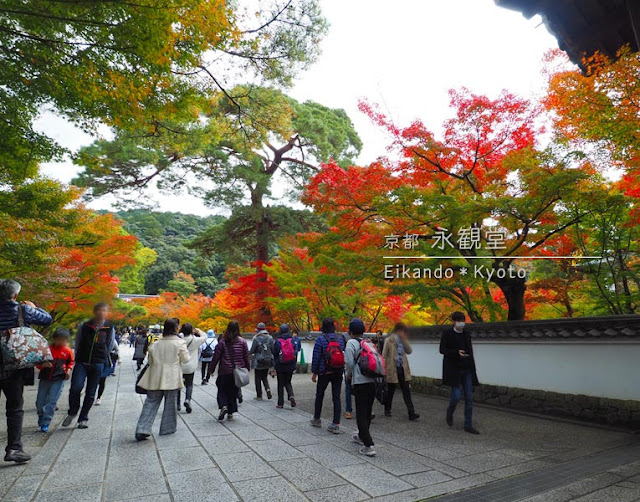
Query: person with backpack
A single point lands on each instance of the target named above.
(192, 338)
(207, 350)
(363, 364)
(263, 359)
(396, 348)
(141, 346)
(12, 315)
(231, 353)
(108, 371)
(286, 357)
(327, 367)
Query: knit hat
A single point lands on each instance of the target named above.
(356, 326)
(261, 326)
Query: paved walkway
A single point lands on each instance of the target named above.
(274, 455)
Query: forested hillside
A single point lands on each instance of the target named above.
(167, 234)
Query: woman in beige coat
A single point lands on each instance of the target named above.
(163, 380)
(394, 353)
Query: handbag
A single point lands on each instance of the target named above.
(140, 390)
(23, 347)
(240, 375)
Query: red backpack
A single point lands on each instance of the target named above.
(334, 357)
(287, 352)
(369, 360)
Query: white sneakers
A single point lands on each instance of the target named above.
(367, 451)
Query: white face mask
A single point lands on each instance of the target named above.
(459, 324)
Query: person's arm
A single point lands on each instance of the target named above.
(407, 346)
(317, 355)
(217, 355)
(184, 353)
(112, 344)
(245, 354)
(386, 349)
(253, 347)
(70, 361)
(445, 348)
(349, 359)
(34, 315)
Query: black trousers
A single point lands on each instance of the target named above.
(335, 379)
(365, 394)
(205, 370)
(262, 378)
(406, 393)
(284, 382)
(12, 388)
(187, 378)
(227, 392)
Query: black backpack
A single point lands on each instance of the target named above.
(208, 350)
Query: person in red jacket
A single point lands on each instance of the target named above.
(52, 377)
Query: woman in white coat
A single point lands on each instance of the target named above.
(163, 380)
(193, 338)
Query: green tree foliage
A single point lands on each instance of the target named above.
(167, 235)
(132, 63)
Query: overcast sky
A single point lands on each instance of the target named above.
(404, 55)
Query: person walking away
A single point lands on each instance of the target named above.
(231, 352)
(395, 351)
(286, 357)
(364, 386)
(327, 367)
(52, 377)
(141, 346)
(263, 359)
(379, 341)
(192, 337)
(12, 381)
(297, 343)
(94, 340)
(207, 350)
(459, 370)
(163, 380)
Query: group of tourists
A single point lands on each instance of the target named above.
(371, 368)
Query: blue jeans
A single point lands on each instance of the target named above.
(49, 392)
(91, 374)
(456, 394)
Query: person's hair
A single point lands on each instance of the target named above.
(187, 329)
(61, 333)
(100, 306)
(171, 327)
(8, 289)
(328, 325)
(295, 331)
(284, 328)
(400, 326)
(457, 316)
(232, 332)
(379, 331)
(176, 320)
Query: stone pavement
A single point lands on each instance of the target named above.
(268, 454)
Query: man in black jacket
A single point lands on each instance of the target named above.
(94, 342)
(11, 382)
(459, 369)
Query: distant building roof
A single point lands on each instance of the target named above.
(583, 27)
(621, 327)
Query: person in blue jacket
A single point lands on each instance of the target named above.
(12, 381)
(324, 374)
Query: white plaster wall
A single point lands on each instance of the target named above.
(602, 369)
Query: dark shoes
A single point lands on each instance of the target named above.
(223, 413)
(142, 437)
(471, 430)
(187, 406)
(413, 417)
(293, 401)
(17, 456)
(269, 395)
